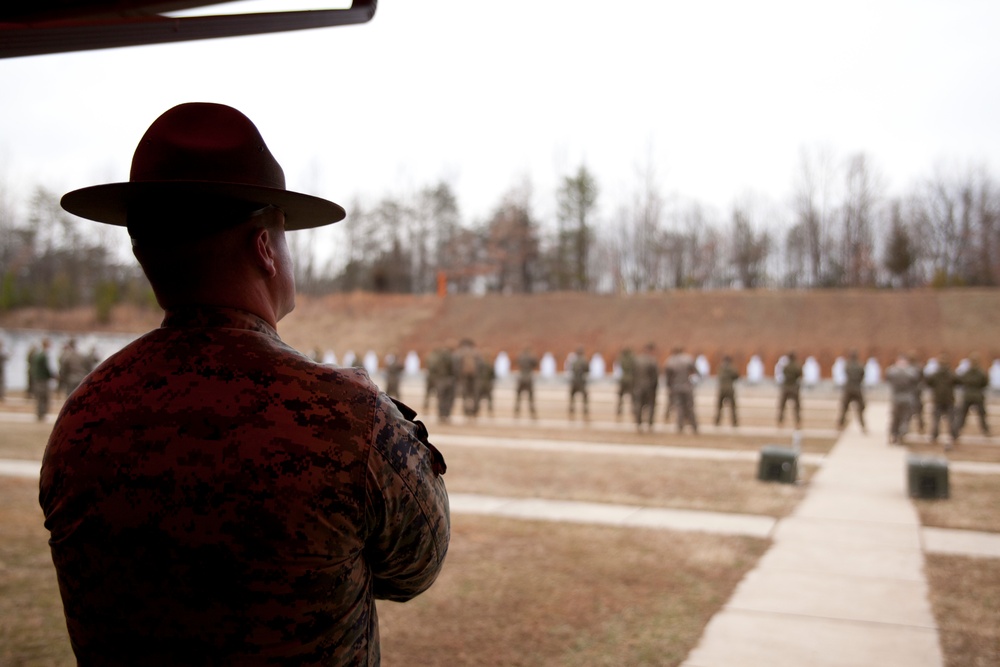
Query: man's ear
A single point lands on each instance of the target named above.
(263, 252)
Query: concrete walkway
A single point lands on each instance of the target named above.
(843, 584)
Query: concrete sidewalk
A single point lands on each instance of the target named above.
(843, 584)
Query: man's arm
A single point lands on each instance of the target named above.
(407, 505)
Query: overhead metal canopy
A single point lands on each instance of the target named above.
(36, 27)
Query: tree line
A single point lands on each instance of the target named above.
(840, 229)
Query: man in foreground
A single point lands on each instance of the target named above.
(214, 496)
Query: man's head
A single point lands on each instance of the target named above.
(246, 265)
(207, 208)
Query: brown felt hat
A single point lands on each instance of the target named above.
(201, 152)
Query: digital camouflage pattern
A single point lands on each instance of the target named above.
(215, 497)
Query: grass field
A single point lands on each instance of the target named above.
(532, 593)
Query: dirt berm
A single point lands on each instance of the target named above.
(824, 324)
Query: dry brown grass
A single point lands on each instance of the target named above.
(719, 486)
(972, 505)
(520, 593)
(23, 440)
(662, 436)
(512, 593)
(963, 452)
(966, 602)
(32, 631)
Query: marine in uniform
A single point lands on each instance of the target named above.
(974, 382)
(942, 384)
(527, 362)
(681, 374)
(853, 391)
(791, 384)
(393, 375)
(647, 373)
(626, 381)
(579, 370)
(903, 378)
(213, 495)
(726, 378)
(40, 373)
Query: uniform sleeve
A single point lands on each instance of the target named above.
(407, 505)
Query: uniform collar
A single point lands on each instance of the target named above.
(217, 318)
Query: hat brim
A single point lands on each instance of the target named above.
(110, 203)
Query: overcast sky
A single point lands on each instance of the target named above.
(718, 96)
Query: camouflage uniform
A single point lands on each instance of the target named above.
(393, 375)
(918, 397)
(484, 385)
(626, 362)
(526, 364)
(942, 384)
(30, 386)
(974, 382)
(680, 373)
(446, 381)
(903, 379)
(467, 363)
(727, 377)
(854, 374)
(72, 368)
(215, 497)
(647, 374)
(579, 370)
(790, 385)
(3, 372)
(40, 372)
(430, 386)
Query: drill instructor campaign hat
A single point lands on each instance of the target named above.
(201, 152)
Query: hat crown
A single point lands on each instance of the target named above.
(204, 142)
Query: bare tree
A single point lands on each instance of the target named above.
(900, 255)
(641, 236)
(750, 250)
(513, 244)
(958, 212)
(813, 206)
(436, 228)
(856, 243)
